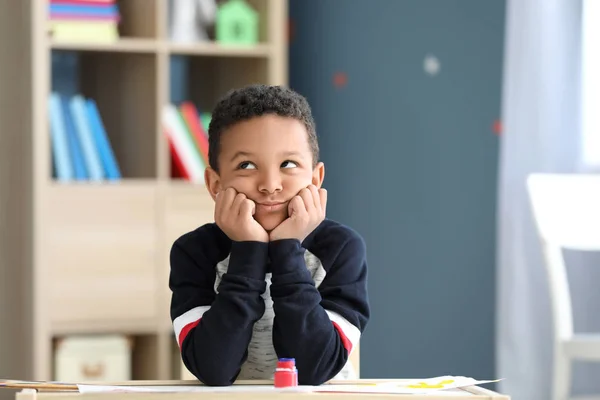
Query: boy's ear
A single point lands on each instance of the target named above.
(318, 175)
(212, 182)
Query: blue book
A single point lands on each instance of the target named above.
(74, 145)
(109, 10)
(86, 138)
(59, 140)
(107, 156)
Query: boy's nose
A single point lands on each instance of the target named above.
(270, 183)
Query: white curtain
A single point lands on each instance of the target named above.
(541, 133)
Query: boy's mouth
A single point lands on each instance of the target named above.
(271, 206)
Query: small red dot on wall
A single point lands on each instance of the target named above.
(340, 79)
(497, 128)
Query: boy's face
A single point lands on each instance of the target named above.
(267, 158)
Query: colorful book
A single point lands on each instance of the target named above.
(105, 151)
(92, 10)
(194, 125)
(82, 2)
(86, 138)
(96, 31)
(205, 117)
(81, 20)
(74, 145)
(178, 168)
(183, 144)
(59, 140)
(80, 146)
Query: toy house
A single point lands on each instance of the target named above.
(237, 23)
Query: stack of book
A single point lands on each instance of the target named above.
(81, 149)
(84, 20)
(186, 131)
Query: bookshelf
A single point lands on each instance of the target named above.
(88, 257)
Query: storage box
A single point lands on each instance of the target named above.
(93, 358)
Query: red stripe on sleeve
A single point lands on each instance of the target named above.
(345, 341)
(186, 329)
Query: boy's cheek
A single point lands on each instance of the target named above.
(240, 184)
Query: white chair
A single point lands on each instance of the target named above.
(566, 208)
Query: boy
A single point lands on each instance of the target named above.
(272, 277)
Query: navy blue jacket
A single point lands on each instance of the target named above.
(238, 306)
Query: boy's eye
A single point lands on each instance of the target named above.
(247, 165)
(288, 164)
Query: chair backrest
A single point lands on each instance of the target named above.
(566, 209)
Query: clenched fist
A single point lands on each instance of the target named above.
(234, 215)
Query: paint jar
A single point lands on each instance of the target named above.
(286, 374)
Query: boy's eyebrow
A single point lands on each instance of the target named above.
(240, 154)
(246, 154)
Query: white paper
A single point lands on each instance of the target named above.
(415, 386)
(443, 384)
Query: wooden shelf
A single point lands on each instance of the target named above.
(215, 49)
(122, 183)
(131, 327)
(123, 45)
(128, 45)
(90, 257)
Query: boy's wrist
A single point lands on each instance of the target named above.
(283, 252)
(249, 259)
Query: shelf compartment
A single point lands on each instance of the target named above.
(260, 6)
(100, 251)
(203, 80)
(139, 18)
(99, 355)
(145, 358)
(136, 19)
(124, 87)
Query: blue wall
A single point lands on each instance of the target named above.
(411, 163)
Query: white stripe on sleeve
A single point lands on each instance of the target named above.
(351, 332)
(187, 318)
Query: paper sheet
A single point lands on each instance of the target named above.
(416, 386)
(442, 384)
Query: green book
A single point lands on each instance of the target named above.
(205, 119)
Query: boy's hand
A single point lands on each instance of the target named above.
(306, 212)
(234, 215)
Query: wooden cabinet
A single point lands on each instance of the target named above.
(92, 257)
(101, 247)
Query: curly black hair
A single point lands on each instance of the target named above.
(253, 101)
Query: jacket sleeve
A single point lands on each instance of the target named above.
(318, 327)
(213, 330)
